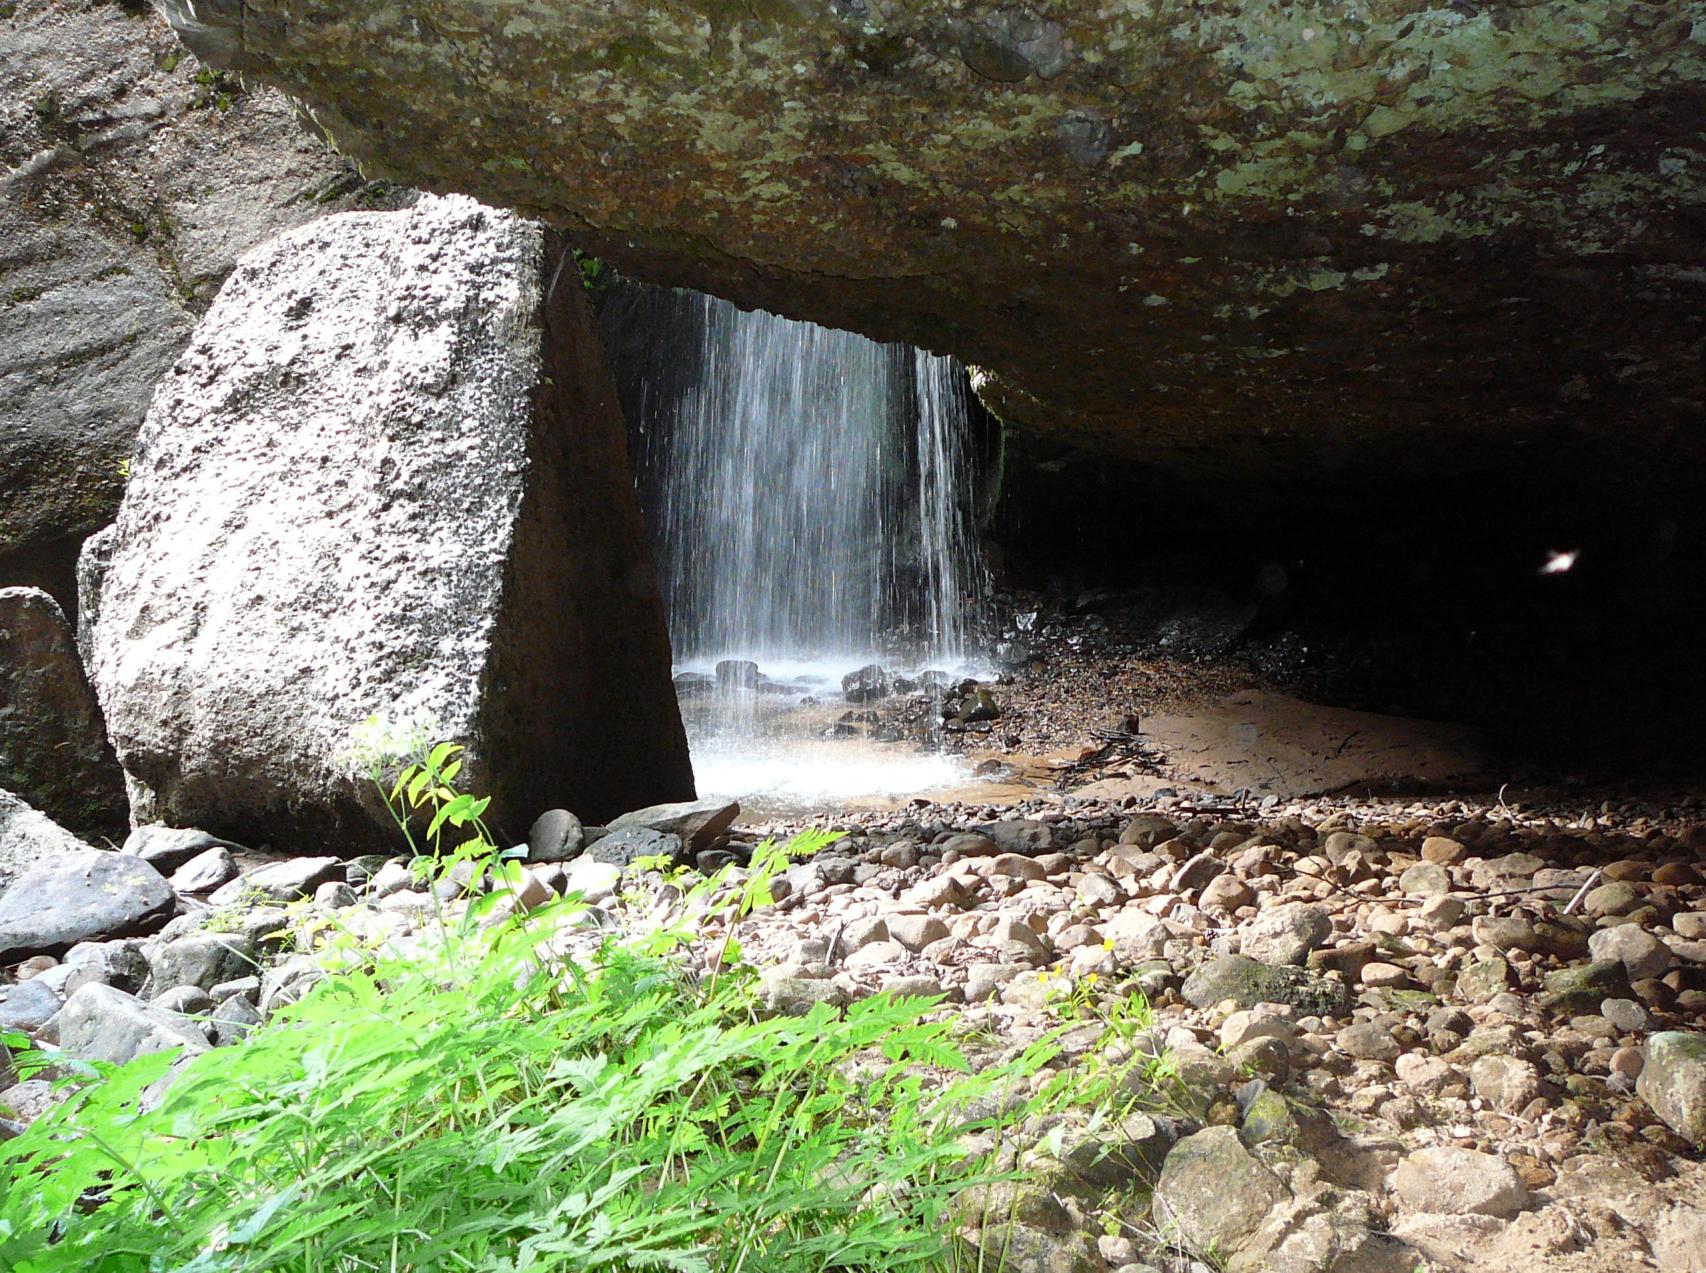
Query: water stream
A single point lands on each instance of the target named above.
(810, 493)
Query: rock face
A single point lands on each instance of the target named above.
(53, 742)
(386, 479)
(131, 179)
(1249, 229)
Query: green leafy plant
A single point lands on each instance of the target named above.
(527, 1094)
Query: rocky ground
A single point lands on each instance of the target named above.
(1449, 1035)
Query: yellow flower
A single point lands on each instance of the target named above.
(1107, 943)
(1089, 978)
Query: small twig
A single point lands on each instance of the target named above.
(1583, 891)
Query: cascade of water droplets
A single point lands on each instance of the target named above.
(810, 495)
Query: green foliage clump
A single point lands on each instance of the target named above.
(520, 1090)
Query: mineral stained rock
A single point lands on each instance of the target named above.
(386, 479)
(1211, 233)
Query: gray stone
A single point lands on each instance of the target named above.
(53, 743)
(78, 897)
(1446, 1180)
(556, 836)
(1505, 1083)
(469, 479)
(287, 981)
(284, 881)
(101, 1023)
(233, 1020)
(788, 996)
(1368, 1041)
(592, 879)
(1213, 1194)
(1248, 983)
(167, 848)
(184, 1001)
(1021, 835)
(203, 960)
(120, 963)
(1285, 934)
(1641, 954)
(697, 822)
(1196, 872)
(28, 837)
(27, 1005)
(625, 847)
(1673, 1082)
(206, 871)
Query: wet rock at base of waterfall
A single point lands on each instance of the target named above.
(556, 836)
(28, 837)
(1673, 1082)
(1213, 1193)
(286, 881)
(53, 743)
(693, 684)
(699, 823)
(737, 674)
(866, 685)
(167, 848)
(1449, 1180)
(1249, 983)
(470, 476)
(101, 1023)
(622, 848)
(980, 707)
(79, 896)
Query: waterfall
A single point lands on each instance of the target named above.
(809, 490)
(810, 495)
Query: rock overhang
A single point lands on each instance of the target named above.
(1207, 233)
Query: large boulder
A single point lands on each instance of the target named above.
(29, 837)
(1206, 232)
(131, 178)
(80, 896)
(53, 742)
(386, 479)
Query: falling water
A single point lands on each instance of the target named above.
(809, 491)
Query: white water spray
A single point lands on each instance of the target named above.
(810, 490)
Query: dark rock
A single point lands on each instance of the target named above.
(53, 742)
(1249, 983)
(470, 479)
(866, 685)
(556, 836)
(100, 1023)
(27, 837)
(1580, 989)
(697, 822)
(626, 846)
(737, 674)
(76, 897)
(136, 180)
(167, 848)
(120, 964)
(1355, 209)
